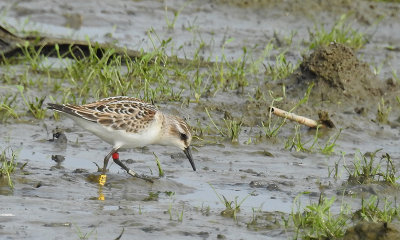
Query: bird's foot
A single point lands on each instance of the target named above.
(142, 176)
(102, 179)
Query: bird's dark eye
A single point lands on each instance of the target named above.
(183, 136)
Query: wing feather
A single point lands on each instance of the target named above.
(120, 113)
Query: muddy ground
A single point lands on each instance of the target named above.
(60, 201)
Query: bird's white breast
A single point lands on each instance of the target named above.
(121, 138)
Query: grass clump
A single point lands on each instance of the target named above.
(237, 72)
(232, 208)
(230, 130)
(33, 57)
(35, 106)
(120, 75)
(299, 145)
(233, 128)
(296, 142)
(316, 221)
(382, 115)
(281, 69)
(7, 107)
(96, 73)
(225, 74)
(341, 32)
(370, 210)
(8, 165)
(229, 75)
(154, 76)
(367, 169)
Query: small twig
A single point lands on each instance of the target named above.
(300, 119)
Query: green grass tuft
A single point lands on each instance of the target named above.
(367, 169)
(8, 165)
(341, 32)
(7, 107)
(370, 210)
(316, 221)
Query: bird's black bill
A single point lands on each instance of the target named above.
(189, 156)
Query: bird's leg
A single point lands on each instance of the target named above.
(103, 176)
(115, 157)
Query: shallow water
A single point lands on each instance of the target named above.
(53, 200)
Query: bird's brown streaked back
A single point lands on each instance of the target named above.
(119, 113)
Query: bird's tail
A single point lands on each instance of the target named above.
(57, 107)
(72, 110)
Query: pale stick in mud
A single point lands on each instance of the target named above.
(293, 117)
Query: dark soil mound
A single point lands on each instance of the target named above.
(371, 230)
(337, 72)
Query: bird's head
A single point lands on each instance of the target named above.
(178, 134)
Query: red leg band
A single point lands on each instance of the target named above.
(115, 155)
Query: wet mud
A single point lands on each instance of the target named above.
(56, 195)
